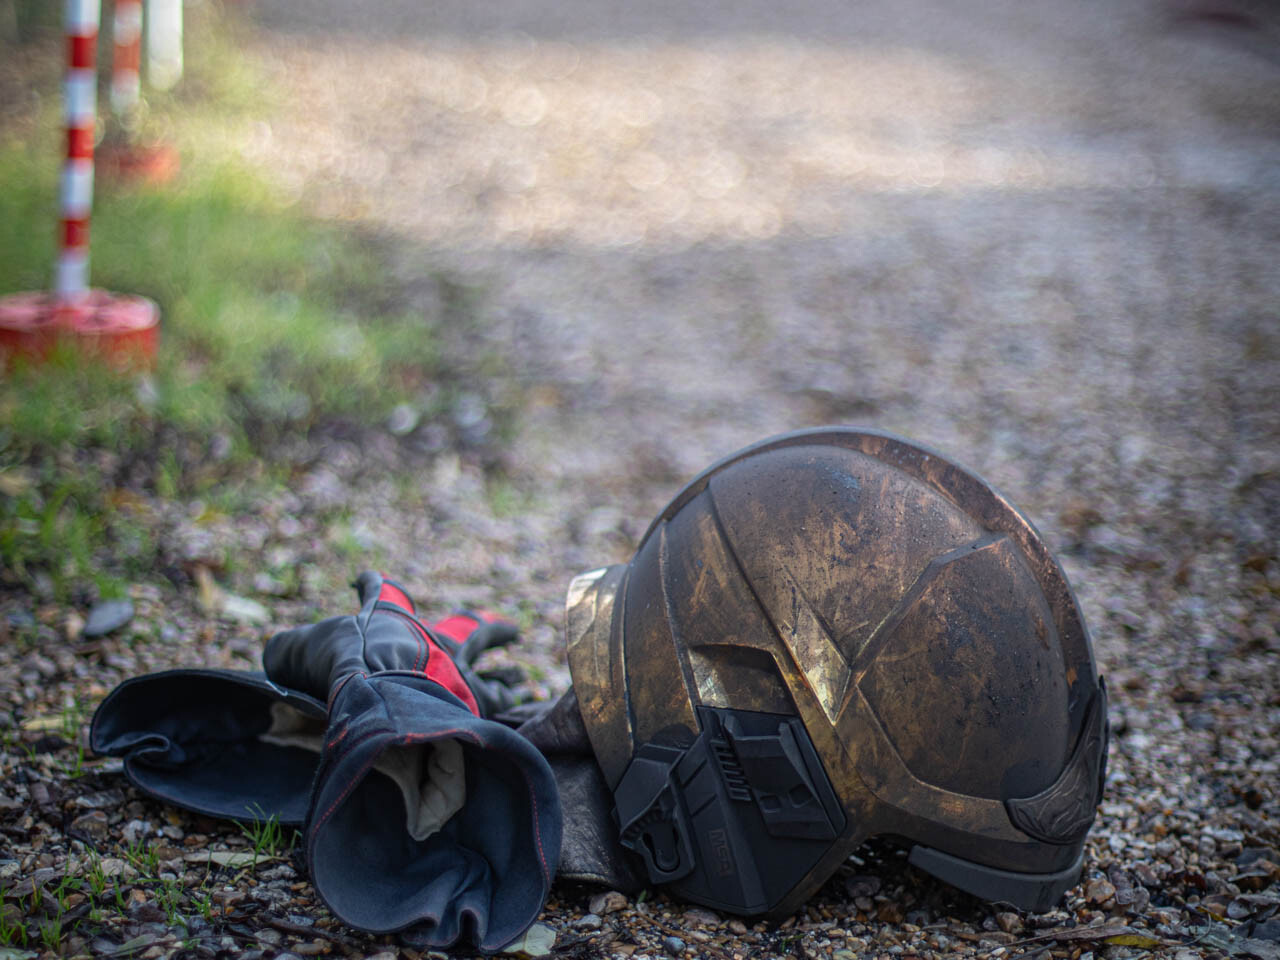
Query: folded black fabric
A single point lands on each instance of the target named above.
(589, 847)
(224, 743)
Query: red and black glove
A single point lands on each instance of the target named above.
(387, 635)
(425, 817)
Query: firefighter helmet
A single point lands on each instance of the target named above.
(831, 635)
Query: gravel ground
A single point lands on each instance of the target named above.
(1041, 237)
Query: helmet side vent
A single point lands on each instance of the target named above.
(735, 780)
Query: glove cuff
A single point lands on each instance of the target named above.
(484, 874)
(209, 741)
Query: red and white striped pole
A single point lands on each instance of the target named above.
(121, 157)
(164, 43)
(80, 93)
(117, 328)
(126, 58)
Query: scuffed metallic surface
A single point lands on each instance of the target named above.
(900, 607)
(942, 654)
(662, 707)
(596, 663)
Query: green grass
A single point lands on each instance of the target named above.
(48, 916)
(265, 317)
(13, 932)
(266, 834)
(273, 324)
(142, 857)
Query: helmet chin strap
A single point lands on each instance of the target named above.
(555, 729)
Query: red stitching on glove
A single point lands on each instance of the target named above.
(537, 833)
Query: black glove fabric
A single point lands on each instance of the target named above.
(425, 817)
(224, 743)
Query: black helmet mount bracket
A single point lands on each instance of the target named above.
(733, 819)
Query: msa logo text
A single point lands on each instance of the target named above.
(720, 853)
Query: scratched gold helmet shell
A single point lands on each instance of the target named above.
(832, 635)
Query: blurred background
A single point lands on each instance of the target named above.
(1041, 237)
(471, 288)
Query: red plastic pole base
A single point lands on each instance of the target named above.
(120, 330)
(155, 164)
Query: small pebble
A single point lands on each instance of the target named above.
(1099, 890)
(403, 419)
(107, 616)
(73, 627)
(673, 945)
(861, 886)
(610, 902)
(243, 610)
(700, 917)
(96, 801)
(20, 620)
(1146, 876)
(92, 824)
(146, 912)
(1009, 922)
